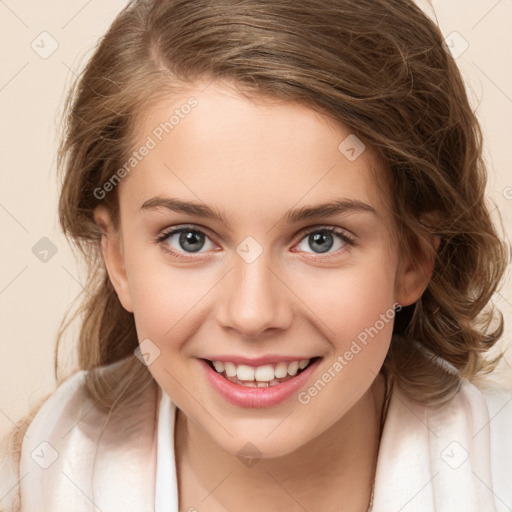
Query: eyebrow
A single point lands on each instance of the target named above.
(292, 216)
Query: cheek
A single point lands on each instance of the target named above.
(162, 300)
(354, 309)
(169, 308)
(350, 299)
(168, 300)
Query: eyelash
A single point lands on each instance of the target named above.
(162, 238)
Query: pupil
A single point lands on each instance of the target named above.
(190, 237)
(324, 239)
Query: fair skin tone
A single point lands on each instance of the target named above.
(253, 162)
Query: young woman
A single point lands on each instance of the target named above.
(291, 263)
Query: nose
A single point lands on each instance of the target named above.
(255, 299)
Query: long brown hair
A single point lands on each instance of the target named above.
(376, 66)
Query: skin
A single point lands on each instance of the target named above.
(241, 156)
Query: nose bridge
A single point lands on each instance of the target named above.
(256, 299)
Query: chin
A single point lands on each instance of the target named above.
(262, 446)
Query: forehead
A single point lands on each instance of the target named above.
(214, 145)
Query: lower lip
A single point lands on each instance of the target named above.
(245, 396)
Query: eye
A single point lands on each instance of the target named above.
(184, 239)
(323, 239)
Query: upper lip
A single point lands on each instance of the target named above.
(256, 361)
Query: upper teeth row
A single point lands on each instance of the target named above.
(265, 373)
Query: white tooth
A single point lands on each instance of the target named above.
(249, 384)
(263, 384)
(281, 370)
(219, 366)
(244, 372)
(264, 373)
(293, 368)
(273, 382)
(303, 363)
(230, 369)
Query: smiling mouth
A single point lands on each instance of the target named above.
(264, 376)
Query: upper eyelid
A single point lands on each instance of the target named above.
(329, 227)
(172, 230)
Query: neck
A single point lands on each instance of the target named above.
(338, 466)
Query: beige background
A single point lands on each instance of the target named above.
(34, 295)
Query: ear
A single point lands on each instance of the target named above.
(413, 276)
(112, 250)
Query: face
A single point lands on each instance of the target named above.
(256, 277)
